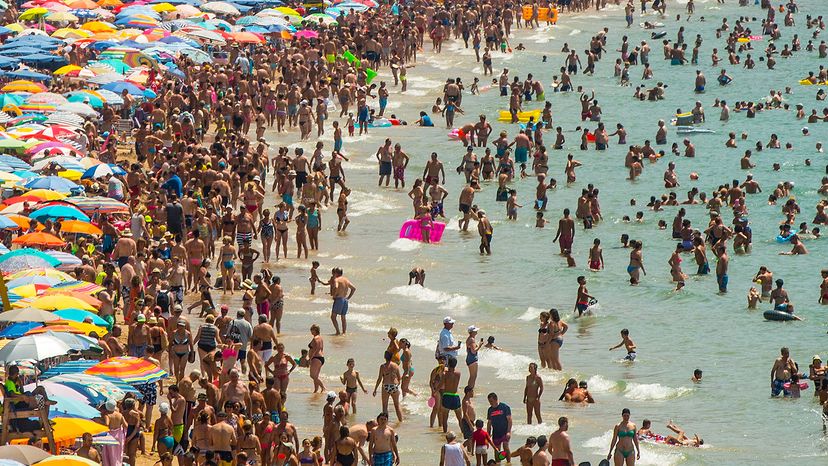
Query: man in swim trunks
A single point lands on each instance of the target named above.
(559, 446)
(222, 440)
(566, 232)
(450, 382)
(382, 445)
(341, 291)
(781, 372)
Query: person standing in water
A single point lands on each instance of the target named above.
(627, 343)
(566, 232)
(624, 442)
(341, 291)
(532, 392)
(472, 354)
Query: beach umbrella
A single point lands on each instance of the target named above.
(25, 454)
(54, 183)
(65, 260)
(82, 4)
(13, 99)
(100, 204)
(29, 255)
(61, 16)
(28, 291)
(8, 224)
(19, 263)
(49, 97)
(58, 327)
(306, 34)
(186, 11)
(98, 26)
(70, 407)
(27, 74)
(128, 369)
(55, 132)
(48, 281)
(65, 119)
(67, 162)
(77, 342)
(204, 34)
(197, 56)
(5, 462)
(5, 176)
(13, 144)
(79, 315)
(320, 18)
(77, 108)
(60, 301)
(18, 329)
(42, 272)
(58, 211)
(99, 171)
(222, 8)
(109, 3)
(28, 314)
(74, 327)
(33, 13)
(163, 7)
(246, 37)
(77, 226)
(22, 85)
(36, 347)
(65, 429)
(110, 97)
(39, 239)
(88, 97)
(66, 70)
(95, 389)
(70, 33)
(45, 195)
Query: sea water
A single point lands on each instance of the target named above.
(676, 332)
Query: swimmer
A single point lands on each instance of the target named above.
(583, 299)
(417, 275)
(628, 344)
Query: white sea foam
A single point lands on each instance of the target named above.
(531, 313)
(362, 203)
(447, 301)
(653, 392)
(404, 244)
(574, 32)
(526, 430)
(599, 383)
(342, 257)
(416, 92)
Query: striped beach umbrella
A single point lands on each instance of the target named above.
(128, 369)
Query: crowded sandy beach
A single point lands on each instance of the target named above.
(284, 233)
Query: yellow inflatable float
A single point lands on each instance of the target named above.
(523, 117)
(544, 14)
(806, 82)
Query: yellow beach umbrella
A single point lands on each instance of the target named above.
(25, 291)
(83, 326)
(55, 302)
(68, 460)
(98, 26)
(16, 27)
(287, 11)
(68, 428)
(33, 13)
(71, 33)
(66, 69)
(71, 175)
(163, 7)
(22, 85)
(46, 194)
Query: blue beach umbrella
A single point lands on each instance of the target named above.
(58, 211)
(29, 254)
(53, 183)
(7, 224)
(78, 315)
(18, 329)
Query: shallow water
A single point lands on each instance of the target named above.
(502, 294)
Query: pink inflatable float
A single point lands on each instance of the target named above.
(411, 230)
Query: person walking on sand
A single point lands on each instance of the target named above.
(341, 291)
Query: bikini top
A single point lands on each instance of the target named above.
(626, 433)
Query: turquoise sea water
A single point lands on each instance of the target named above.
(502, 294)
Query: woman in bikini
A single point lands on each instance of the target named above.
(307, 455)
(407, 367)
(393, 345)
(301, 232)
(181, 345)
(227, 264)
(557, 329)
(279, 362)
(200, 437)
(316, 357)
(249, 444)
(342, 209)
(284, 454)
(532, 392)
(624, 442)
(266, 232)
(544, 340)
(636, 262)
(281, 216)
(471, 355)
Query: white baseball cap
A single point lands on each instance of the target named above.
(448, 320)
